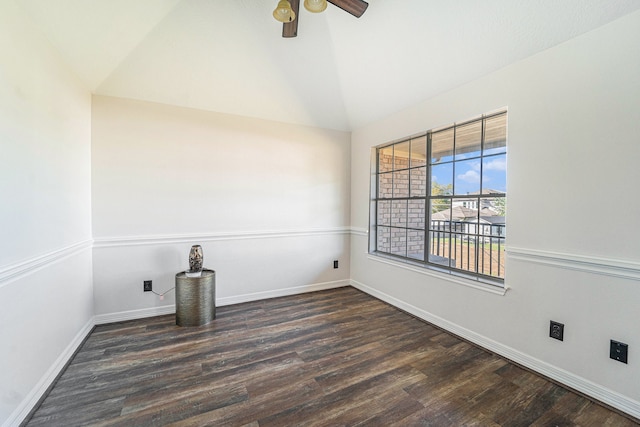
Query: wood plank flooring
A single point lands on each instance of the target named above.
(330, 358)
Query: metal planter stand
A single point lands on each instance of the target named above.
(195, 298)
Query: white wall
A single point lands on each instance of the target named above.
(574, 121)
(269, 203)
(46, 300)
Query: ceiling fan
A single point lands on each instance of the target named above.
(287, 11)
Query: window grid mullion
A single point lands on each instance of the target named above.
(460, 231)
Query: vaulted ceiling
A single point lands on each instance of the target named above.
(340, 72)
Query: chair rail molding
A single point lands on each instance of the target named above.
(359, 231)
(589, 264)
(23, 268)
(106, 242)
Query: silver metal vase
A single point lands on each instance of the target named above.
(196, 259)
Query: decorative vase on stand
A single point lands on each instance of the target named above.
(196, 260)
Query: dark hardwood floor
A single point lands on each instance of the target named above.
(331, 358)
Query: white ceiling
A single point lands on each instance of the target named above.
(340, 72)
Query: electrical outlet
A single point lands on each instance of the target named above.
(335, 264)
(556, 330)
(146, 286)
(618, 351)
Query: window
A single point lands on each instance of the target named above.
(439, 199)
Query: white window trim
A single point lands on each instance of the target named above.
(452, 277)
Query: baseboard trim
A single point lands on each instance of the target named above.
(31, 401)
(122, 316)
(582, 385)
(283, 292)
(18, 270)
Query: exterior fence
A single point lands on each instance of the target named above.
(470, 246)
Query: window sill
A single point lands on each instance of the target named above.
(433, 272)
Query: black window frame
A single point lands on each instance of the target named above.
(480, 231)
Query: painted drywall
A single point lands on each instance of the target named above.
(574, 121)
(46, 296)
(269, 203)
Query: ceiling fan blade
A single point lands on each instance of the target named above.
(290, 29)
(354, 7)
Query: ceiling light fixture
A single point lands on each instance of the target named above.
(288, 9)
(283, 12)
(315, 6)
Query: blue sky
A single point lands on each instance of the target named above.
(467, 174)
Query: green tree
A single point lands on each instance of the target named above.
(438, 205)
(500, 206)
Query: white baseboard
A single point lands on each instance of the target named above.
(282, 292)
(122, 316)
(602, 394)
(34, 396)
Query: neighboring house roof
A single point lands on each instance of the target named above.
(489, 212)
(457, 213)
(460, 213)
(493, 219)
